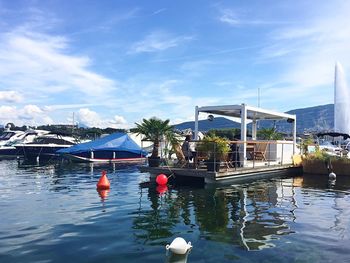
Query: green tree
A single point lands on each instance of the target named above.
(269, 134)
(225, 133)
(154, 130)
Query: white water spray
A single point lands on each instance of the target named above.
(341, 101)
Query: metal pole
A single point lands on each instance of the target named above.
(254, 155)
(214, 156)
(244, 132)
(196, 123)
(282, 154)
(236, 159)
(294, 134)
(268, 160)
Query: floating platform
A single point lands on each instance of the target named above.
(229, 175)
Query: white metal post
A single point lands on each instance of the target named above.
(254, 129)
(294, 134)
(196, 123)
(244, 132)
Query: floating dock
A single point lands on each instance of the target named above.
(229, 175)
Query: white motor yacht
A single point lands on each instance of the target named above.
(44, 147)
(8, 149)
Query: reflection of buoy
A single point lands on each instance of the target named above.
(176, 258)
(179, 246)
(103, 183)
(161, 189)
(162, 179)
(103, 193)
(332, 175)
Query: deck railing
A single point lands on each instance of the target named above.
(258, 153)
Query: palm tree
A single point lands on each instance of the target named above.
(154, 130)
(174, 141)
(269, 134)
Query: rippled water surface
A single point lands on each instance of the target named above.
(54, 214)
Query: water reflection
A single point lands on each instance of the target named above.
(103, 193)
(249, 216)
(176, 258)
(53, 213)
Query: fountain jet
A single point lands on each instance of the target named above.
(341, 101)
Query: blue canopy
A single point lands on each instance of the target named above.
(114, 142)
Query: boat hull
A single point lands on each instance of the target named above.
(106, 157)
(76, 158)
(33, 152)
(10, 152)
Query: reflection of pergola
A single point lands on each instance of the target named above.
(246, 113)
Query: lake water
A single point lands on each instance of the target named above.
(54, 214)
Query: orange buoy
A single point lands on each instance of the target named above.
(103, 183)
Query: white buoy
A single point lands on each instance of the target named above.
(179, 246)
(332, 176)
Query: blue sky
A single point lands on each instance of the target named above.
(113, 63)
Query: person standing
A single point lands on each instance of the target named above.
(186, 148)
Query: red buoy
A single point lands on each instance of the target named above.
(103, 183)
(162, 189)
(162, 179)
(103, 193)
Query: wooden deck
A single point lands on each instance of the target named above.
(226, 175)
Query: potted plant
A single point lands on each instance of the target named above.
(154, 130)
(216, 150)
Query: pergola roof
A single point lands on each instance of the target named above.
(245, 113)
(253, 113)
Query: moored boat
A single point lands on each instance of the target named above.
(45, 147)
(116, 147)
(8, 150)
(9, 136)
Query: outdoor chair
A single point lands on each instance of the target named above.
(259, 152)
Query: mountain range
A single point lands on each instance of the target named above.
(311, 119)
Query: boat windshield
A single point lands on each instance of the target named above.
(50, 140)
(6, 135)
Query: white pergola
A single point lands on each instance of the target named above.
(246, 113)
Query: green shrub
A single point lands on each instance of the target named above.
(214, 147)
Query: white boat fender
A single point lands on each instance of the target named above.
(179, 246)
(332, 175)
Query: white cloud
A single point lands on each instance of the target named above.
(158, 41)
(67, 106)
(89, 118)
(159, 11)
(169, 98)
(32, 110)
(93, 119)
(120, 120)
(234, 18)
(306, 54)
(10, 96)
(28, 115)
(32, 64)
(229, 16)
(7, 112)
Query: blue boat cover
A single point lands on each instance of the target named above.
(114, 142)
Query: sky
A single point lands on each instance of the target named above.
(112, 63)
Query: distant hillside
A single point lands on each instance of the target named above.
(318, 118)
(205, 125)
